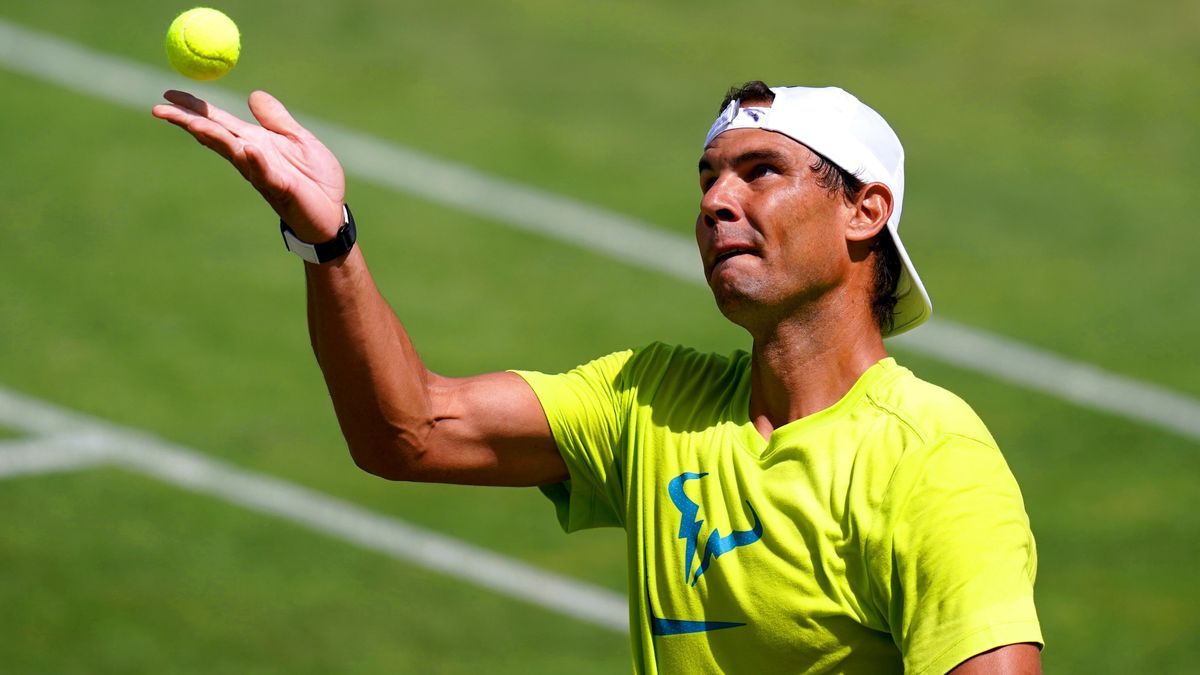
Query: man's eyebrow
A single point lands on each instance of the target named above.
(762, 155)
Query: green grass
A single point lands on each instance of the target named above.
(1052, 154)
(115, 574)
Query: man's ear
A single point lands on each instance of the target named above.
(871, 212)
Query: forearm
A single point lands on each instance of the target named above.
(376, 379)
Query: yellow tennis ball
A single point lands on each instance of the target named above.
(203, 43)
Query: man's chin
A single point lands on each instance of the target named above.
(733, 300)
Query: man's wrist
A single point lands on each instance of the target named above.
(326, 251)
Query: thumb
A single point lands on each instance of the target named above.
(273, 116)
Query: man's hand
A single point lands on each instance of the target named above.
(297, 175)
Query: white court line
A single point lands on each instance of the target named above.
(95, 441)
(1081, 383)
(376, 160)
(25, 456)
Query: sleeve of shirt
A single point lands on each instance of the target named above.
(963, 557)
(587, 409)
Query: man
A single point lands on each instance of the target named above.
(810, 506)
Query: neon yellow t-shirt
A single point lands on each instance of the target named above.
(883, 534)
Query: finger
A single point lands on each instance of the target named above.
(273, 116)
(180, 117)
(270, 183)
(207, 132)
(256, 166)
(170, 113)
(205, 109)
(175, 114)
(219, 140)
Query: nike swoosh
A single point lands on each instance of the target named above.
(681, 626)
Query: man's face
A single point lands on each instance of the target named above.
(771, 238)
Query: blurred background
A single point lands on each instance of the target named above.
(1053, 156)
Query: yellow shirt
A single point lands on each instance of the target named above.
(883, 534)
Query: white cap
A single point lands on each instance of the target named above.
(835, 124)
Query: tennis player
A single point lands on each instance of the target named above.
(807, 506)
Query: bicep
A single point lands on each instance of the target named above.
(487, 430)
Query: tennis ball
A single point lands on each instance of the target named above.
(203, 44)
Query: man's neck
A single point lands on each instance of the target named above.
(807, 363)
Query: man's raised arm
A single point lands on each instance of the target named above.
(400, 420)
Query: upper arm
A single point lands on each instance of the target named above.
(963, 555)
(575, 433)
(559, 431)
(1018, 659)
(484, 430)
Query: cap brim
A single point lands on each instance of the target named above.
(913, 306)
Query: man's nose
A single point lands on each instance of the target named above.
(720, 203)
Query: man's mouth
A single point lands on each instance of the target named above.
(730, 254)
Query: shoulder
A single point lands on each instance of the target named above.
(932, 413)
(948, 467)
(652, 371)
(664, 365)
(940, 447)
(673, 385)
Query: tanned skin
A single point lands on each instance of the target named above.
(785, 258)
(401, 420)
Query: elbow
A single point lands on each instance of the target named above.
(383, 462)
(371, 462)
(395, 456)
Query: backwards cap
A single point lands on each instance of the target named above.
(836, 125)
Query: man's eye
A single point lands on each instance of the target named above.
(761, 170)
(706, 183)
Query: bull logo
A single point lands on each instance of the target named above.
(689, 530)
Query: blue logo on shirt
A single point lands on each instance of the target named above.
(689, 529)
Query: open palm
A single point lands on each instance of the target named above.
(297, 175)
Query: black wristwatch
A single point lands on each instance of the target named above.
(333, 249)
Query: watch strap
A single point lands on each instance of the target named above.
(333, 249)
